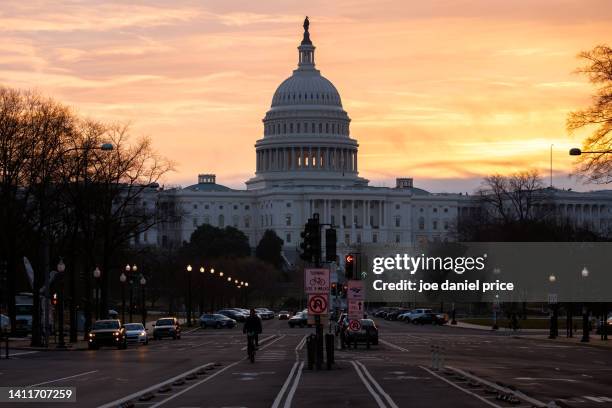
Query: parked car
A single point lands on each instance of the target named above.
(368, 331)
(233, 314)
(394, 315)
(416, 313)
(300, 320)
(217, 321)
(265, 313)
(167, 327)
(441, 318)
(107, 333)
(428, 318)
(284, 315)
(5, 323)
(23, 318)
(136, 333)
(404, 315)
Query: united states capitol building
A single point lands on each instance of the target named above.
(307, 162)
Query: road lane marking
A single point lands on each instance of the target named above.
(64, 378)
(260, 341)
(281, 393)
(22, 353)
(184, 390)
(486, 401)
(368, 386)
(378, 387)
(393, 346)
(294, 386)
(154, 387)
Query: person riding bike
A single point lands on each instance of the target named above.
(252, 326)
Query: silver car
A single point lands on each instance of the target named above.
(136, 333)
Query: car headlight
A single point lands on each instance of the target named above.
(92, 334)
(116, 333)
(143, 333)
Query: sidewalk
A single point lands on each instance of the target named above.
(542, 335)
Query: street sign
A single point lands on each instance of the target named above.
(354, 325)
(355, 309)
(323, 319)
(356, 290)
(318, 304)
(316, 280)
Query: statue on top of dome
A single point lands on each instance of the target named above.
(306, 40)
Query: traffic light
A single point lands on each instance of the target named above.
(311, 241)
(330, 245)
(334, 288)
(54, 299)
(349, 266)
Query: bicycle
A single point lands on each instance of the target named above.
(251, 346)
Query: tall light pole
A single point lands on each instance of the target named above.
(189, 269)
(201, 290)
(123, 279)
(96, 274)
(143, 283)
(61, 267)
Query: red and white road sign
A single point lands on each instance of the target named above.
(318, 304)
(355, 309)
(356, 290)
(354, 325)
(316, 280)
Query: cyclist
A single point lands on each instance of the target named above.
(252, 328)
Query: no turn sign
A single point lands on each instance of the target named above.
(318, 304)
(354, 325)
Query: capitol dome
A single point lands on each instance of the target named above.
(306, 139)
(306, 88)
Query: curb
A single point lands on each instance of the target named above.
(562, 342)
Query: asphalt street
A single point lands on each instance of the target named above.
(207, 368)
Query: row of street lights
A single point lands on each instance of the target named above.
(97, 273)
(584, 273)
(239, 284)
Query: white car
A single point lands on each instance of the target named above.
(414, 314)
(136, 333)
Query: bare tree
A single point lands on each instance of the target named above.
(596, 167)
(511, 198)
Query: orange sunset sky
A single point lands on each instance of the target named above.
(442, 91)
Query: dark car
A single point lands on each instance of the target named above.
(233, 314)
(107, 333)
(393, 314)
(300, 320)
(430, 318)
(167, 327)
(217, 321)
(368, 331)
(265, 313)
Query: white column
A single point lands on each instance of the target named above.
(380, 213)
(356, 161)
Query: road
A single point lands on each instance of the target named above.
(206, 368)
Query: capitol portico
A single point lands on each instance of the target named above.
(306, 163)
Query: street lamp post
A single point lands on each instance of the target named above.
(189, 269)
(96, 274)
(134, 269)
(61, 267)
(123, 279)
(143, 283)
(201, 289)
(585, 311)
(105, 147)
(553, 332)
(577, 152)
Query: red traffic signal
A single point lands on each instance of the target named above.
(54, 299)
(349, 259)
